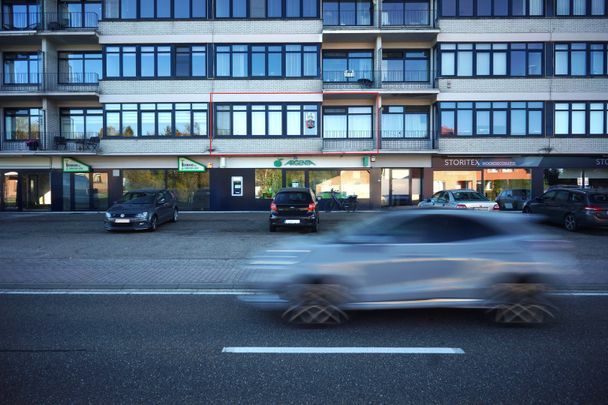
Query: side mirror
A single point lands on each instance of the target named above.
(161, 201)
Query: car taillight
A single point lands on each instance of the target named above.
(593, 208)
(496, 207)
(461, 206)
(312, 207)
(273, 207)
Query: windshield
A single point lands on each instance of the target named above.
(293, 198)
(469, 196)
(138, 198)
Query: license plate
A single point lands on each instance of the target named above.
(122, 221)
(508, 205)
(292, 221)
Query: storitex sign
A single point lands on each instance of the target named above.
(74, 166)
(293, 163)
(520, 161)
(190, 166)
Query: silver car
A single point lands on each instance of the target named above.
(414, 259)
(460, 198)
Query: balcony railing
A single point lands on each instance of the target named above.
(50, 82)
(406, 18)
(389, 18)
(348, 18)
(381, 79)
(50, 142)
(50, 21)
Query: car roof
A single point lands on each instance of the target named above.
(581, 189)
(455, 190)
(147, 190)
(297, 189)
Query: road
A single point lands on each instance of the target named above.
(168, 349)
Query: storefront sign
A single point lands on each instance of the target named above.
(74, 166)
(520, 161)
(293, 162)
(189, 166)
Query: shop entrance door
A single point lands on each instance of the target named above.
(85, 191)
(36, 190)
(10, 191)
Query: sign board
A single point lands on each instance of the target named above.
(74, 166)
(189, 165)
(237, 186)
(293, 163)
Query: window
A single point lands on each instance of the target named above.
(156, 61)
(581, 118)
(266, 9)
(405, 66)
(347, 122)
(79, 13)
(347, 12)
(266, 120)
(80, 123)
(22, 123)
(491, 8)
(466, 60)
(571, 59)
(491, 118)
(22, 68)
(405, 12)
(162, 119)
(155, 9)
(121, 61)
(268, 182)
(191, 61)
(579, 8)
(80, 67)
(266, 61)
(21, 15)
(405, 122)
(347, 66)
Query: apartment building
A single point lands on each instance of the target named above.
(226, 101)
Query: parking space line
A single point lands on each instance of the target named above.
(343, 350)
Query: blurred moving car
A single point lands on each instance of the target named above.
(414, 259)
(142, 209)
(512, 199)
(294, 207)
(460, 198)
(572, 207)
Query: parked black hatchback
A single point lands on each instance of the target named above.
(294, 207)
(572, 207)
(512, 199)
(142, 209)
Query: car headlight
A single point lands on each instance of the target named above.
(108, 215)
(142, 215)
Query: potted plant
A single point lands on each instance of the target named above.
(32, 144)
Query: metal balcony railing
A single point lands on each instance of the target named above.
(405, 18)
(387, 79)
(364, 141)
(50, 21)
(50, 82)
(18, 141)
(348, 18)
(396, 15)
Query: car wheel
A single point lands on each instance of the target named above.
(153, 223)
(315, 227)
(570, 222)
(272, 228)
(315, 304)
(175, 215)
(520, 303)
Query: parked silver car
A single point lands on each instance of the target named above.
(460, 198)
(414, 259)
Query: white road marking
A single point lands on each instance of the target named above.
(581, 293)
(288, 251)
(344, 350)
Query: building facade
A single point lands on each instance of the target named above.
(227, 101)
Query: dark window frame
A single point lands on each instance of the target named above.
(86, 112)
(356, 15)
(61, 57)
(17, 112)
(23, 56)
(566, 47)
(282, 17)
(155, 12)
(385, 110)
(345, 111)
(348, 56)
(475, 13)
(588, 10)
(404, 59)
(587, 111)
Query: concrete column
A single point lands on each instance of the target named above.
(375, 196)
(377, 8)
(51, 122)
(50, 65)
(427, 183)
(378, 62)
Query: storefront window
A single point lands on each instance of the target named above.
(139, 179)
(192, 190)
(595, 178)
(447, 180)
(268, 182)
(346, 182)
(497, 180)
(294, 178)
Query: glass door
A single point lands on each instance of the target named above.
(10, 187)
(36, 190)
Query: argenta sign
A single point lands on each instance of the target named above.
(293, 163)
(74, 166)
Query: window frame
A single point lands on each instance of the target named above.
(587, 112)
(86, 112)
(282, 17)
(155, 17)
(588, 50)
(30, 57)
(475, 10)
(10, 112)
(347, 114)
(385, 111)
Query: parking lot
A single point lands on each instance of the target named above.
(201, 250)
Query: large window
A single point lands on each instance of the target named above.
(405, 66)
(347, 122)
(239, 120)
(491, 118)
(162, 119)
(478, 60)
(20, 15)
(22, 123)
(580, 59)
(580, 8)
(266, 61)
(347, 66)
(581, 118)
(491, 8)
(347, 12)
(22, 68)
(268, 182)
(346, 182)
(405, 12)
(266, 9)
(80, 67)
(80, 13)
(161, 61)
(156, 9)
(405, 122)
(80, 123)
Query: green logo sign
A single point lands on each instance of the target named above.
(293, 162)
(74, 166)
(188, 165)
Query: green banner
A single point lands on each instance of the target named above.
(189, 165)
(74, 166)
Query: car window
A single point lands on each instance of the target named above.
(137, 198)
(436, 195)
(447, 228)
(548, 196)
(562, 196)
(468, 196)
(577, 197)
(295, 197)
(598, 198)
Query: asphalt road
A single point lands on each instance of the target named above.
(168, 349)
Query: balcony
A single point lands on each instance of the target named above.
(16, 142)
(389, 80)
(42, 83)
(50, 22)
(405, 141)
